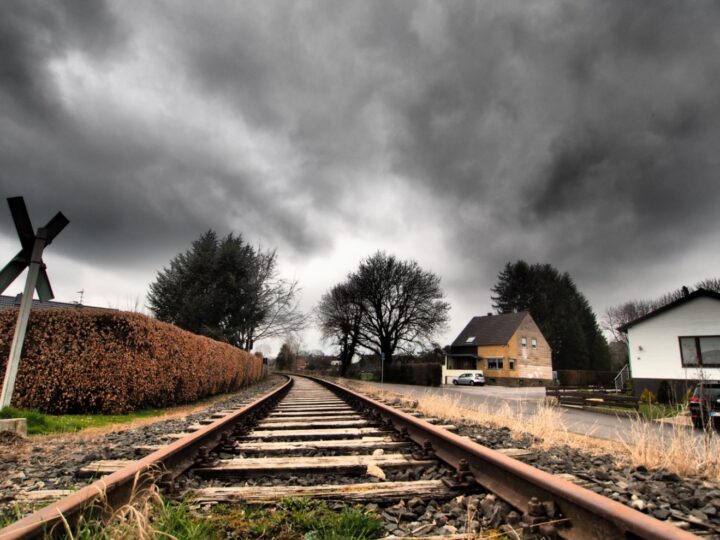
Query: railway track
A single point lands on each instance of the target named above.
(311, 438)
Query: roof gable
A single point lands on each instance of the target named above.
(490, 330)
(14, 301)
(699, 293)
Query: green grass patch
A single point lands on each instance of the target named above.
(653, 411)
(154, 520)
(291, 519)
(12, 514)
(295, 519)
(40, 423)
(647, 411)
(151, 519)
(43, 424)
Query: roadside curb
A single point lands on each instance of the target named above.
(624, 414)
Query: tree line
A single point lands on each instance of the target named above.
(560, 310)
(224, 288)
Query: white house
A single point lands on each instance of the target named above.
(679, 343)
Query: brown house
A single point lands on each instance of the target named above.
(509, 349)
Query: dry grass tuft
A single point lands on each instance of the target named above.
(679, 450)
(544, 423)
(134, 520)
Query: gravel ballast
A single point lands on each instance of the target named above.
(51, 462)
(688, 502)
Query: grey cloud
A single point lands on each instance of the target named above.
(574, 133)
(612, 104)
(130, 192)
(33, 32)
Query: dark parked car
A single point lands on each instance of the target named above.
(476, 377)
(705, 405)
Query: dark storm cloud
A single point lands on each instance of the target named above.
(568, 132)
(598, 117)
(130, 191)
(33, 32)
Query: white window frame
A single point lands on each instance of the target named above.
(498, 363)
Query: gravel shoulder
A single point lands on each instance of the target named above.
(51, 461)
(687, 502)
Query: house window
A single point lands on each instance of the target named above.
(461, 362)
(533, 342)
(700, 351)
(512, 364)
(495, 363)
(470, 339)
(523, 341)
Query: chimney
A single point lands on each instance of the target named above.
(685, 291)
(489, 314)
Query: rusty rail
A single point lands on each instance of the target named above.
(115, 490)
(591, 516)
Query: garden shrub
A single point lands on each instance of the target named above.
(647, 396)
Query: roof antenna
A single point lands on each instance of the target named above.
(81, 292)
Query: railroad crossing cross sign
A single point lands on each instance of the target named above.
(29, 256)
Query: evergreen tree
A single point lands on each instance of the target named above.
(286, 357)
(225, 289)
(563, 314)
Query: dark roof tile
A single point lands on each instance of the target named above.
(490, 330)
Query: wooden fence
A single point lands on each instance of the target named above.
(592, 397)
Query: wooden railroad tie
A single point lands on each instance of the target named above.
(356, 493)
(295, 464)
(277, 465)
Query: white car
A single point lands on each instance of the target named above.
(472, 378)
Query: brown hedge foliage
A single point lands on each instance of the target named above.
(103, 361)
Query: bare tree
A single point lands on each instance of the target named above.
(402, 304)
(622, 314)
(617, 316)
(275, 311)
(339, 314)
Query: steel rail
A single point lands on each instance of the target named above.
(591, 516)
(116, 490)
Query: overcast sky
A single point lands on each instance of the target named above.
(581, 133)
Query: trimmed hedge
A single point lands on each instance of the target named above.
(112, 362)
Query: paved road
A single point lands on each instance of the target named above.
(525, 402)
